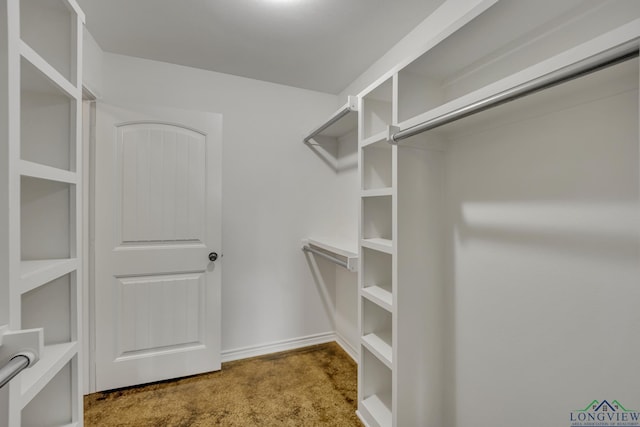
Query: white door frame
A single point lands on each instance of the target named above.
(88, 289)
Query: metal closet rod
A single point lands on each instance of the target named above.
(13, 367)
(326, 256)
(563, 75)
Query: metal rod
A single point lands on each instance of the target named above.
(350, 106)
(325, 256)
(17, 364)
(563, 75)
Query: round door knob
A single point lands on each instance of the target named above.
(213, 256)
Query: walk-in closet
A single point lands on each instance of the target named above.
(420, 213)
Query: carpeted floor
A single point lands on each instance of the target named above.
(313, 386)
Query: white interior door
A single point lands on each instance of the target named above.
(157, 213)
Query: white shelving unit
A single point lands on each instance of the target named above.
(44, 164)
(408, 319)
(377, 246)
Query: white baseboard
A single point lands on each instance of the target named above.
(275, 347)
(362, 419)
(347, 347)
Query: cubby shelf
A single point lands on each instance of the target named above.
(38, 272)
(54, 358)
(374, 404)
(379, 296)
(378, 345)
(378, 244)
(47, 70)
(378, 137)
(339, 248)
(377, 192)
(36, 170)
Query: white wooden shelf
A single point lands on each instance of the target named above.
(377, 192)
(378, 137)
(36, 273)
(48, 71)
(36, 170)
(342, 122)
(342, 251)
(378, 345)
(54, 358)
(378, 410)
(378, 244)
(379, 296)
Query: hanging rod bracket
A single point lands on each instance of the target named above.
(19, 350)
(391, 133)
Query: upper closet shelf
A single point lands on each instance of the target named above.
(340, 123)
(336, 252)
(600, 53)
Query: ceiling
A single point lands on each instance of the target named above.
(320, 45)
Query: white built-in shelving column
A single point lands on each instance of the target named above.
(45, 45)
(377, 257)
(401, 279)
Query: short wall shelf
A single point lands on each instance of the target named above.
(340, 123)
(339, 252)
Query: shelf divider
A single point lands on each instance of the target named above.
(46, 69)
(380, 136)
(34, 274)
(378, 410)
(54, 358)
(378, 244)
(379, 347)
(377, 192)
(379, 296)
(36, 170)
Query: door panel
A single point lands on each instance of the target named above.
(162, 173)
(157, 313)
(157, 293)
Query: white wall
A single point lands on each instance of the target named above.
(276, 191)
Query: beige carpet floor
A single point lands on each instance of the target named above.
(313, 386)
